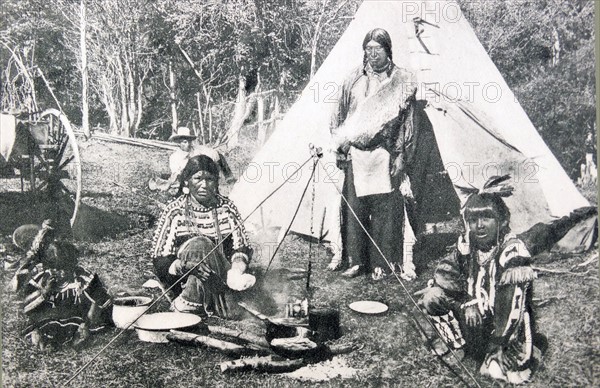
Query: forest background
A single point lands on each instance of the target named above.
(140, 68)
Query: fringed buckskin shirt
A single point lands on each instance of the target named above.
(475, 279)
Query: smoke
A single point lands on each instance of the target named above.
(274, 289)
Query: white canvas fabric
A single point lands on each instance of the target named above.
(479, 126)
(8, 126)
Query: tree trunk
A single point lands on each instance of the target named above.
(200, 118)
(208, 112)
(109, 106)
(140, 106)
(131, 104)
(315, 40)
(261, 135)
(313, 54)
(238, 115)
(254, 339)
(210, 124)
(173, 98)
(85, 108)
(275, 114)
(123, 98)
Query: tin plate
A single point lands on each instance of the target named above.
(368, 307)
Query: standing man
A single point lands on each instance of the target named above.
(374, 165)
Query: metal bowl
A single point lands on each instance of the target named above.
(128, 308)
(155, 327)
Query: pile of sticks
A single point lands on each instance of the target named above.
(251, 352)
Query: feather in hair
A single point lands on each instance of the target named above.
(502, 191)
(495, 181)
(467, 190)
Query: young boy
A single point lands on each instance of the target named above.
(480, 300)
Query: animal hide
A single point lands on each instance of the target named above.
(376, 113)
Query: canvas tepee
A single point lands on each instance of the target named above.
(478, 127)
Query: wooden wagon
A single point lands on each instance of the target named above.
(41, 150)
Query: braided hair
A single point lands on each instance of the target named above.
(380, 36)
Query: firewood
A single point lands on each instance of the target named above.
(228, 348)
(247, 337)
(295, 344)
(261, 341)
(342, 348)
(261, 364)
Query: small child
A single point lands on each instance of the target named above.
(62, 301)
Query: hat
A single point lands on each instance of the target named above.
(183, 133)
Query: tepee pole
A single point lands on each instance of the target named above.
(410, 297)
(315, 155)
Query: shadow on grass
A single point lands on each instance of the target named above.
(91, 224)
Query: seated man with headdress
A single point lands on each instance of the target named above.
(62, 301)
(200, 245)
(480, 299)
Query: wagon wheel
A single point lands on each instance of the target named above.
(60, 162)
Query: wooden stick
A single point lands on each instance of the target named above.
(342, 348)
(226, 347)
(148, 143)
(260, 341)
(559, 272)
(593, 258)
(251, 338)
(261, 364)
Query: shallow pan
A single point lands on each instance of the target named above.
(155, 327)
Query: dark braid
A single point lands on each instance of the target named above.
(382, 37)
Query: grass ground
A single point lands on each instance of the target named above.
(392, 351)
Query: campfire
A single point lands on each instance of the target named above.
(289, 342)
